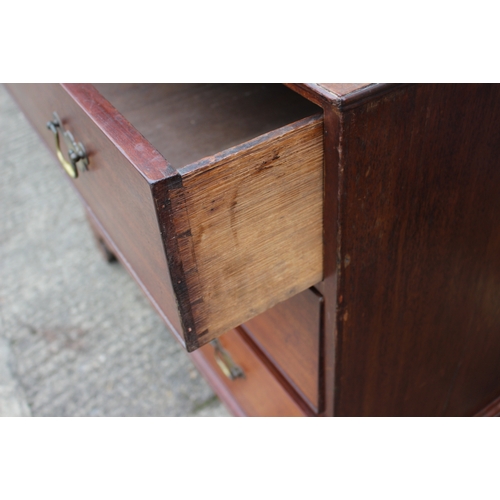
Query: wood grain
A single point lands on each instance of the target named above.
(419, 267)
(289, 334)
(343, 89)
(187, 122)
(218, 241)
(411, 218)
(251, 235)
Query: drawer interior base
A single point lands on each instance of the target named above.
(187, 122)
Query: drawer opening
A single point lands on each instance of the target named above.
(240, 212)
(210, 194)
(188, 122)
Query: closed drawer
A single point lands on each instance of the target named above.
(290, 334)
(211, 195)
(257, 392)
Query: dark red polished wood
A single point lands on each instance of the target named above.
(419, 258)
(407, 321)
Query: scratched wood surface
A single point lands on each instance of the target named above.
(246, 219)
(419, 268)
(342, 89)
(251, 232)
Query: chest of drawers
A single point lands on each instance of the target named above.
(319, 249)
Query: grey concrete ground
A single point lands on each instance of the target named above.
(77, 337)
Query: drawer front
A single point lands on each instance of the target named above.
(116, 193)
(213, 243)
(289, 334)
(258, 393)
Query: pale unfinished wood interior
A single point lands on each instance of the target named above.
(256, 226)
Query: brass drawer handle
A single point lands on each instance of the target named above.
(76, 151)
(229, 368)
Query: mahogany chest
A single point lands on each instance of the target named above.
(320, 249)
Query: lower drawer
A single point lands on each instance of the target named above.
(258, 392)
(289, 334)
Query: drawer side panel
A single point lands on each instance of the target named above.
(254, 219)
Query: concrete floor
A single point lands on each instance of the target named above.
(77, 337)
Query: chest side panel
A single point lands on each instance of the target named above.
(419, 261)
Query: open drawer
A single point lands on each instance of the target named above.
(211, 195)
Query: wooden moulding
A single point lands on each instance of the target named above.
(243, 229)
(343, 96)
